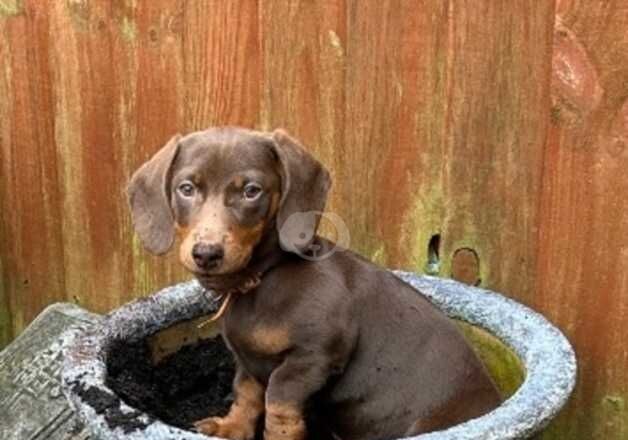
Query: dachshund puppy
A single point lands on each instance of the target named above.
(337, 336)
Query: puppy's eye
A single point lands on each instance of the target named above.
(186, 189)
(252, 191)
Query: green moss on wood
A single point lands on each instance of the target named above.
(10, 8)
(424, 220)
(141, 269)
(128, 29)
(379, 256)
(80, 12)
(615, 403)
(603, 417)
(5, 318)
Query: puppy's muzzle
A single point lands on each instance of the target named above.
(207, 256)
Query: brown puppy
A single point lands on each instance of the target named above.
(373, 356)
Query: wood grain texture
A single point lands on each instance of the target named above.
(582, 282)
(155, 110)
(501, 126)
(32, 242)
(95, 89)
(303, 79)
(6, 325)
(222, 63)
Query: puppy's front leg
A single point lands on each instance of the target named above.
(240, 422)
(290, 385)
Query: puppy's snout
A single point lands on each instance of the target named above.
(207, 256)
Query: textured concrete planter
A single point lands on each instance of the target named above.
(547, 357)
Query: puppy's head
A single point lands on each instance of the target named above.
(222, 190)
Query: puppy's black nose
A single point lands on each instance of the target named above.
(207, 256)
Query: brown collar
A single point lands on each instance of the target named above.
(222, 287)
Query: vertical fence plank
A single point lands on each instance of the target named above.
(303, 78)
(119, 79)
(373, 98)
(156, 95)
(6, 325)
(32, 243)
(445, 127)
(6, 321)
(88, 37)
(222, 63)
(582, 282)
(498, 89)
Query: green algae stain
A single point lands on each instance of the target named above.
(5, 329)
(5, 318)
(423, 221)
(430, 216)
(79, 12)
(379, 256)
(10, 8)
(614, 403)
(128, 29)
(141, 272)
(611, 414)
(604, 417)
(501, 362)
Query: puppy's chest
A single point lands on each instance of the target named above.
(250, 331)
(261, 340)
(259, 348)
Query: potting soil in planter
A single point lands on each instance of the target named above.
(187, 386)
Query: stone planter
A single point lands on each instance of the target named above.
(548, 361)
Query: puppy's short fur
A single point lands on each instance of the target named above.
(372, 357)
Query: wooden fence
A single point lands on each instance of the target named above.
(500, 126)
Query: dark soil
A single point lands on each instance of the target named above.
(187, 386)
(109, 405)
(184, 387)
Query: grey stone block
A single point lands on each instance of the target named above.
(32, 405)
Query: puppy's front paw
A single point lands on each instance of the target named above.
(225, 428)
(208, 426)
(284, 422)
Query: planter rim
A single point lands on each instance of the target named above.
(547, 356)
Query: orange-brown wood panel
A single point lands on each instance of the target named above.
(91, 63)
(32, 243)
(156, 112)
(445, 123)
(6, 326)
(398, 90)
(111, 107)
(222, 63)
(497, 75)
(375, 74)
(303, 78)
(582, 282)
(95, 88)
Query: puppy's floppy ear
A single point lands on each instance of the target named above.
(304, 186)
(149, 198)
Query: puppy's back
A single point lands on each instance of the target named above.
(411, 371)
